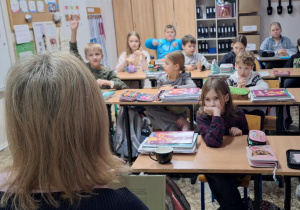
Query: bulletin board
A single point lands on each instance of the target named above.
(19, 18)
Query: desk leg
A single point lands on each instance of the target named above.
(191, 116)
(287, 192)
(140, 84)
(153, 82)
(279, 121)
(128, 135)
(110, 128)
(256, 191)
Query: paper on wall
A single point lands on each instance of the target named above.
(40, 37)
(22, 33)
(14, 6)
(40, 6)
(23, 5)
(32, 7)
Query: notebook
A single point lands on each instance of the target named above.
(261, 156)
(108, 94)
(271, 95)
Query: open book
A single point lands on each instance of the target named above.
(261, 156)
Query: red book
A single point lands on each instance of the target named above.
(270, 93)
(171, 137)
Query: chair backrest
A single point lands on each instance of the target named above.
(253, 121)
(273, 83)
(257, 64)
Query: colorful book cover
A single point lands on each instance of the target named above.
(182, 91)
(270, 93)
(170, 137)
(281, 73)
(261, 156)
(146, 97)
(108, 94)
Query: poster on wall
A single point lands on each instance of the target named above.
(14, 6)
(51, 37)
(25, 50)
(97, 30)
(39, 37)
(71, 7)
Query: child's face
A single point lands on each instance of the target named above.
(238, 47)
(189, 48)
(169, 66)
(134, 43)
(212, 100)
(170, 34)
(275, 31)
(243, 70)
(94, 57)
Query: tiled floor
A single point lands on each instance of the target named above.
(271, 192)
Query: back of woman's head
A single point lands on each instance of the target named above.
(177, 57)
(57, 129)
(221, 88)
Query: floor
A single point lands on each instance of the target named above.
(271, 192)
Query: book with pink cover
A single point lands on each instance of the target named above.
(270, 92)
(182, 92)
(261, 156)
(282, 73)
(170, 137)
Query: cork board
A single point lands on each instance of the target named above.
(19, 18)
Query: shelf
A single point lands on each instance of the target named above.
(206, 39)
(206, 19)
(248, 32)
(232, 18)
(224, 38)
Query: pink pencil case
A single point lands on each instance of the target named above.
(256, 137)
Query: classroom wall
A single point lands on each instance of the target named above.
(289, 22)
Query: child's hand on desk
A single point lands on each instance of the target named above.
(190, 68)
(282, 52)
(102, 82)
(234, 131)
(212, 111)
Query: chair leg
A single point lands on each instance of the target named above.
(260, 187)
(246, 197)
(202, 196)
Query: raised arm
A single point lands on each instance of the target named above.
(74, 24)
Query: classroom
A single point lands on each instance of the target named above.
(161, 66)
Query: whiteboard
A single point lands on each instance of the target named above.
(5, 61)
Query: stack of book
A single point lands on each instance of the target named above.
(181, 141)
(271, 95)
(181, 95)
(108, 94)
(261, 156)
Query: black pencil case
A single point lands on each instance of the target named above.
(293, 158)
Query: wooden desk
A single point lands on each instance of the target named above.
(197, 74)
(230, 158)
(137, 76)
(115, 100)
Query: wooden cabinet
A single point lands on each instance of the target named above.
(150, 17)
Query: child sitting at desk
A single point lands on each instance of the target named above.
(193, 60)
(105, 77)
(164, 46)
(171, 118)
(245, 77)
(293, 62)
(280, 45)
(218, 117)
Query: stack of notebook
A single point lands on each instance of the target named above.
(271, 95)
(108, 94)
(181, 141)
(181, 95)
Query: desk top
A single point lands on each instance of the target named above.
(197, 74)
(115, 99)
(230, 158)
(139, 75)
(296, 93)
(274, 58)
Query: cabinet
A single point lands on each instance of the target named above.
(215, 27)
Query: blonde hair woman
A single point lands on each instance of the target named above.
(57, 128)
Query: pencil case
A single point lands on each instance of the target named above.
(256, 137)
(293, 158)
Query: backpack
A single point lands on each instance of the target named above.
(175, 199)
(139, 130)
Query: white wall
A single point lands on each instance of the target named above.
(289, 22)
(109, 28)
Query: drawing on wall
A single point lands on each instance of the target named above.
(53, 7)
(14, 6)
(25, 50)
(71, 7)
(40, 6)
(97, 31)
(23, 6)
(32, 6)
(40, 37)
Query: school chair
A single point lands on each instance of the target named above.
(257, 64)
(253, 124)
(270, 121)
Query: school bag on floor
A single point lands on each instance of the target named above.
(175, 199)
(138, 124)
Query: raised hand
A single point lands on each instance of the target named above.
(74, 23)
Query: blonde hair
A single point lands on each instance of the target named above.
(170, 26)
(57, 129)
(177, 57)
(245, 57)
(91, 47)
(276, 24)
(128, 49)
